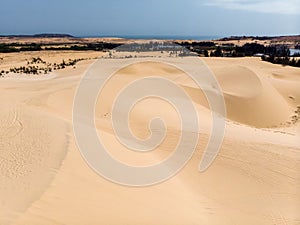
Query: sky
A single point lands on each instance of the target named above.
(150, 17)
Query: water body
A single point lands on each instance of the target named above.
(160, 37)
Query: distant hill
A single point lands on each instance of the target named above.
(40, 36)
(53, 36)
(262, 38)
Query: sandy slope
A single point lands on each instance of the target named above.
(254, 180)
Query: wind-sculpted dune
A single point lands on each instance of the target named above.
(253, 180)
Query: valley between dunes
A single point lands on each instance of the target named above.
(255, 179)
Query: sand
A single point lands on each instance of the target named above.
(254, 180)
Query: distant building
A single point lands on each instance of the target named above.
(258, 54)
(294, 52)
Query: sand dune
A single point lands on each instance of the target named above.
(254, 180)
(251, 97)
(33, 145)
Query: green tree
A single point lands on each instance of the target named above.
(206, 53)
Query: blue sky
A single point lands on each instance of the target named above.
(150, 17)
